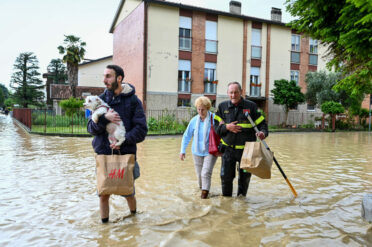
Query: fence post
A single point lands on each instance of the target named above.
(72, 124)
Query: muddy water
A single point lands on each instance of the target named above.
(48, 195)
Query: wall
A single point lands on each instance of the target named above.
(127, 9)
(162, 56)
(230, 54)
(91, 74)
(280, 54)
(129, 48)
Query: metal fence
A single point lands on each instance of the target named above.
(294, 118)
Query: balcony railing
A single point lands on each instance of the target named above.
(211, 46)
(210, 87)
(255, 90)
(184, 86)
(185, 43)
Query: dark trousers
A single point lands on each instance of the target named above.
(229, 159)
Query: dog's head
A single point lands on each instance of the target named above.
(92, 102)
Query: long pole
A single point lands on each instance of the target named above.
(276, 162)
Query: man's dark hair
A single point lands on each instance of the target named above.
(118, 70)
(236, 83)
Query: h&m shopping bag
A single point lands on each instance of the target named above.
(115, 174)
(257, 160)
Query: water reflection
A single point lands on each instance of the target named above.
(48, 195)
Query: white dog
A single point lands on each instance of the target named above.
(99, 107)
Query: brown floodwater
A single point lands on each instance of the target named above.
(48, 195)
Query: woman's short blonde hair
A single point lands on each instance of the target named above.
(203, 101)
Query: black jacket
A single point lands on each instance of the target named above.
(131, 112)
(229, 112)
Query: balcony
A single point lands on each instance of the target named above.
(255, 90)
(210, 87)
(184, 86)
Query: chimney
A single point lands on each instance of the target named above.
(235, 7)
(276, 14)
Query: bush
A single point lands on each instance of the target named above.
(166, 123)
(342, 125)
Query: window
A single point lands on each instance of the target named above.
(313, 57)
(211, 37)
(255, 85)
(256, 43)
(310, 107)
(184, 102)
(295, 75)
(184, 76)
(295, 48)
(210, 85)
(185, 33)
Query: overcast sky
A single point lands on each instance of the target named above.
(39, 26)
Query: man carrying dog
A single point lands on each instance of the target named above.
(127, 108)
(233, 127)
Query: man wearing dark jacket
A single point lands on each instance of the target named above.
(128, 108)
(233, 127)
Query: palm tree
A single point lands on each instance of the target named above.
(73, 53)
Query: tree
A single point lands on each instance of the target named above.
(5, 91)
(288, 94)
(319, 88)
(25, 81)
(332, 108)
(73, 52)
(57, 71)
(345, 26)
(2, 98)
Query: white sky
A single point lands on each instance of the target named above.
(39, 26)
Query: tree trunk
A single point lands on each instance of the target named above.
(72, 75)
(284, 124)
(323, 116)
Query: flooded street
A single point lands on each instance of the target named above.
(49, 199)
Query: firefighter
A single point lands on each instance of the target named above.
(233, 127)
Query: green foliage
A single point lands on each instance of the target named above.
(166, 123)
(5, 91)
(40, 118)
(57, 71)
(9, 102)
(287, 93)
(331, 107)
(71, 105)
(343, 125)
(26, 82)
(72, 49)
(345, 27)
(319, 88)
(2, 98)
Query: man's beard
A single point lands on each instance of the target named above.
(114, 86)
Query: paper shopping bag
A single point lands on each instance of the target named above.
(257, 160)
(115, 174)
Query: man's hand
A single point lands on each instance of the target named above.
(113, 146)
(261, 135)
(232, 127)
(113, 117)
(182, 156)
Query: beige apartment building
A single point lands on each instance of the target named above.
(174, 53)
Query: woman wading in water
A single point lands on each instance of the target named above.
(199, 127)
